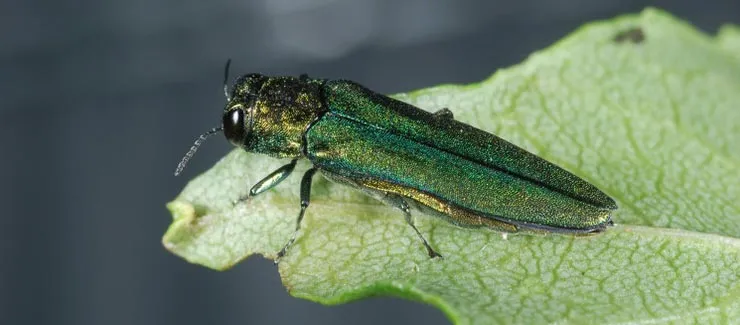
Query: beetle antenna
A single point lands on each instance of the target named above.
(194, 148)
(226, 80)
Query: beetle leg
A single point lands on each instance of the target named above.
(270, 181)
(444, 113)
(305, 200)
(400, 203)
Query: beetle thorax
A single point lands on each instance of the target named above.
(283, 110)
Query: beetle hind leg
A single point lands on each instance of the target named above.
(398, 202)
(444, 113)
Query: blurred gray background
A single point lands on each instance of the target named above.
(100, 99)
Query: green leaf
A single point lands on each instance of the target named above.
(654, 123)
(729, 39)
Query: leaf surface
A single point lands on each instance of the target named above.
(652, 121)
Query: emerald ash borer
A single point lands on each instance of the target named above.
(403, 156)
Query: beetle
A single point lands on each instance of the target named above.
(403, 156)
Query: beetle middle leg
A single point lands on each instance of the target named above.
(398, 202)
(305, 201)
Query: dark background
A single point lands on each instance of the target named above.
(100, 99)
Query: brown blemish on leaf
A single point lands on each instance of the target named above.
(633, 35)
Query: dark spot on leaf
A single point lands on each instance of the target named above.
(633, 35)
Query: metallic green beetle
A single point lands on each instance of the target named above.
(403, 156)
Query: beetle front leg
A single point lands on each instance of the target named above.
(270, 181)
(305, 201)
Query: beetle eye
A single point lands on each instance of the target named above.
(234, 126)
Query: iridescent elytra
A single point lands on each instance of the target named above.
(404, 156)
